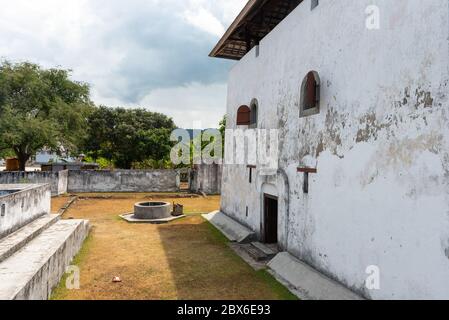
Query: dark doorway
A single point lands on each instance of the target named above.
(185, 179)
(270, 219)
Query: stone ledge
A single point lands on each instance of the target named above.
(33, 271)
(15, 241)
(232, 229)
(306, 282)
(129, 217)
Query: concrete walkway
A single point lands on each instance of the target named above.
(35, 269)
(306, 282)
(301, 279)
(233, 230)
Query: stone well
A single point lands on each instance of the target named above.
(152, 210)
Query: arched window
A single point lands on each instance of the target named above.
(254, 109)
(244, 116)
(310, 95)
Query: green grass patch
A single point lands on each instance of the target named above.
(193, 213)
(60, 291)
(216, 234)
(276, 286)
(281, 291)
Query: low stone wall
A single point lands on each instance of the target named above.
(57, 247)
(124, 181)
(206, 178)
(21, 204)
(63, 181)
(203, 178)
(57, 180)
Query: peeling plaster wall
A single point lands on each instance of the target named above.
(28, 202)
(124, 181)
(380, 143)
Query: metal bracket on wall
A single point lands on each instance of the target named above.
(306, 171)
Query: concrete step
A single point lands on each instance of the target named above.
(36, 269)
(259, 252)
(269, 250)
(231, 229)
(21, 237)
(239, 249)
(306, 282)
(255, 253)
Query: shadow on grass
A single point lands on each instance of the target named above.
(203, 266)
(191, 257)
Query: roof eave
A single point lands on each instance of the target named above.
(231, 29)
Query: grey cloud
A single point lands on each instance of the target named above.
(159, 49)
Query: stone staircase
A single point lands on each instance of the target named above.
(260, 251)
(34, 258)
(257, 251)
(256, 254)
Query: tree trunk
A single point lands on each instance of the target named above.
(23, 158)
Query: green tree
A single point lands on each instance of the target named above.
(40, 108)
(128, 136)
(222, 127)
(5, 152)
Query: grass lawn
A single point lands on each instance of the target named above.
(186, 259)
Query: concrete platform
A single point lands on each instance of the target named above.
(232, 229)
(241, 250)
(35, 270)
(306, 282)
(268, 250)
(15, 241)
(130, 218)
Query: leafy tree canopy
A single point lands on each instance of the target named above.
(128, 136)
(222, 126)
(40, 108)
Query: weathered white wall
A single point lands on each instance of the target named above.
(206, 178)
(63, 180)
(124, 181)
(380, 143)
(57, 180)
(23, 206)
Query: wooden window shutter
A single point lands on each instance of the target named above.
(244, 116)
(310, 91)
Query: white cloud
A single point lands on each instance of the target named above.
(204, 20)
(186, 105)
(190, 104)
(133, 53)
(212, 16)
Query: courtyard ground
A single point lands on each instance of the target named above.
(186, 259)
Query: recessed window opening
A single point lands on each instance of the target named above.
(310, 95)
(250, 167)
(250, 175)
(254, 113)
(305, 187)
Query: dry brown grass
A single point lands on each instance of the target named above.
(186, 259)
(58, 202)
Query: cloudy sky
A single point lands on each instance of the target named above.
(142, 53)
